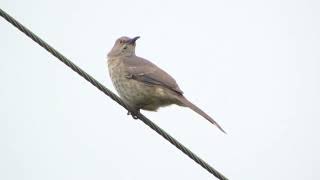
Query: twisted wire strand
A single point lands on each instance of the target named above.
(113, 96)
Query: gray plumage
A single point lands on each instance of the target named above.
(143, 85)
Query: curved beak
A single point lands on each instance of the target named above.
(133, 40)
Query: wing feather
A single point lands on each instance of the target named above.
(145, 71)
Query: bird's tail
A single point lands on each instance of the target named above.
(187, 103)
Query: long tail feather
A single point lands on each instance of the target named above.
(187, 103)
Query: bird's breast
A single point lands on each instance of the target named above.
(130, 90)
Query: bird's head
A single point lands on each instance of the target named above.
(123, 46)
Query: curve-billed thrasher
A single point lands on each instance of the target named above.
(143, 85)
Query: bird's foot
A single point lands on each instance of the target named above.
(133, 114)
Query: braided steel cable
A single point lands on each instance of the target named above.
(113, 96)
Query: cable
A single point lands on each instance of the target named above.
(106, 91)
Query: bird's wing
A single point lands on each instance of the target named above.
(145, 71)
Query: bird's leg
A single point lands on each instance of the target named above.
(134, 114)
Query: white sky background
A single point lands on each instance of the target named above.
(252, 65)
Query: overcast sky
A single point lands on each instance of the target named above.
(252, 65)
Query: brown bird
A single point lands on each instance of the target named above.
(142, 84)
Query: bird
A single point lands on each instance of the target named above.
(143, 85)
